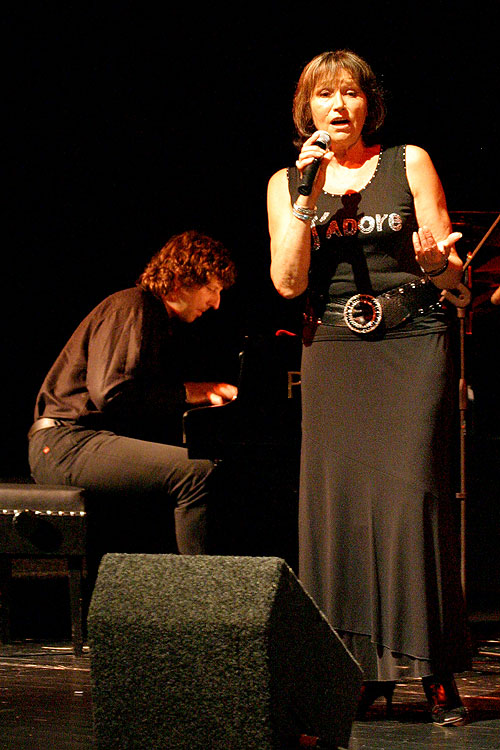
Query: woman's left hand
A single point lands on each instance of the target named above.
(431, 255)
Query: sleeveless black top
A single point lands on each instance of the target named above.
(362, 241)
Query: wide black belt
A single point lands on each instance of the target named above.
(44, 423)
(363, 313)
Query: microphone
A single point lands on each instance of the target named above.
(309, 173)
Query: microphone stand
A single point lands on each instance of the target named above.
(461, 302)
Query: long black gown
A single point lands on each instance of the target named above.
(379, 549)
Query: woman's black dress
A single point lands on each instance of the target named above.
(379, 550)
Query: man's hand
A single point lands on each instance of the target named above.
(210, 393)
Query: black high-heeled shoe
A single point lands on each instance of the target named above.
(444, 701)
(370, 691)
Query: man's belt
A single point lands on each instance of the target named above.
(363, 313)
(45, 422)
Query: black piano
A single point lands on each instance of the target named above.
(255, 440)
(265, 416)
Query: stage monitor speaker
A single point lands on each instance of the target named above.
(214, 652)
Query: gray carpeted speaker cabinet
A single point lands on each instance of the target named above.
(214, 652)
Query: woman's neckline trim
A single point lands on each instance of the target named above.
(379, 159)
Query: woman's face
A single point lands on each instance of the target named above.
(339, 106)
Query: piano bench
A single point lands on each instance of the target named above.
(43, 521)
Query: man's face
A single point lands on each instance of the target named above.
(188, 303)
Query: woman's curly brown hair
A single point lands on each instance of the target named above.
(324, 67)
(190, 259)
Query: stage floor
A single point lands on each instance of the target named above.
(46, 704)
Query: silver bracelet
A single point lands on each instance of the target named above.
(438, 271)
(303, 213)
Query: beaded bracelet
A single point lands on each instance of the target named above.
(438, 271)
(303, 213)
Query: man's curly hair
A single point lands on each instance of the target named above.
(190, 259)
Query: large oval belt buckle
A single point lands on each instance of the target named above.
(362, 313)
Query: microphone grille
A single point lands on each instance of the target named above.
(323, 139)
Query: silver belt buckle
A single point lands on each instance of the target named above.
(362, 313)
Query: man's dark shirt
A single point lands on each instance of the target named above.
(123, 370)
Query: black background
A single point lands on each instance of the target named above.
(127, 124)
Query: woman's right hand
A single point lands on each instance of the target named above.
(308, 153)
(291, 234)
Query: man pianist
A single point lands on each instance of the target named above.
(108, 412)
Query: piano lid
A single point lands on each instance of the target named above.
(263, 420)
